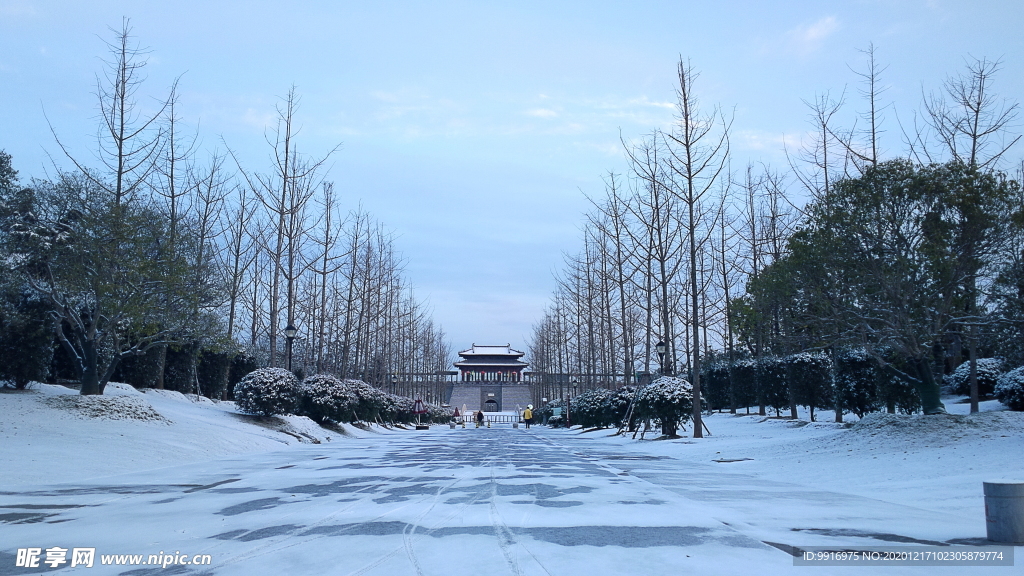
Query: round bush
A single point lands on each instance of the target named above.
(267, 391)
(1010, 389)
(593, 408)
(989, 370)
(324, 397)
(669, 400)
(546, 413)
(373, 404)
(438, 414)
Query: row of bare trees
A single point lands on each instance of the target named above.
(273, 260)
(675, 254)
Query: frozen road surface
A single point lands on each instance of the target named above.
(464, 501)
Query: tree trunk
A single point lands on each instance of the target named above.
(90, 369)
(927, 387)
(973, 351)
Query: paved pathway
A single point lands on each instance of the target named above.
(473, 501)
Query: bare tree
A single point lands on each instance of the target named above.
(699, 148)
(613, 224)
(817, 162)
(968, 122)
(128, 142)
(284, 193)
(239, 252)
(658, 239)
(971, 126)
(865, 152)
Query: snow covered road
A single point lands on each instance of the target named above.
(478, 501)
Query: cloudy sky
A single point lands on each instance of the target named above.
(473, 129)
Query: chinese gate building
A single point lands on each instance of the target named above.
(491, 379)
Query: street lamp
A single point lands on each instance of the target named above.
(666, 366)
(289, 333)
(394, 384)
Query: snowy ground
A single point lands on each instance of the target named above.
(51, 434)
(193, 476)
(937, 463)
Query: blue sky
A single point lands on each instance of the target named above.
(471, 128)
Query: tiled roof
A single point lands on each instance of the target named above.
(505, 350)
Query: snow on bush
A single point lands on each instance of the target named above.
(857, 381)
(714, 384)
(399, 409)
(669, 400)
(809, 375)
(267, 392)
(547, 413)
(593, 409)
(373, 402)
(744, 378)
(772, 385)
(989, 370)
(438, 414)
(1009, 389)
(324, 397)
(618, 404)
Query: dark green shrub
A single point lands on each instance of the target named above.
(1010, 389)
(140, 370)
(715, 385)
(744, 378)
(771, 383)
(858, 379)
(988, 372)
(26, 340)
(242, 363)
(180, 367)
(324, 397)
(267, 392)
(212, 373)
(809, 375)
(594, 409)
(668, 400)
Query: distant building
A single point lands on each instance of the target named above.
(491, 364)
(490, 379)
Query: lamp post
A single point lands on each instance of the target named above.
(666, 369)
(394, 384)
(289, 334)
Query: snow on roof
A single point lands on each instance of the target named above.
(505, 350)
(491, 363)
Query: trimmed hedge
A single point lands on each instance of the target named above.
(267, 392)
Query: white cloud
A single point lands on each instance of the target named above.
(384, 96)
(809, 38)
(758, 140)
(14, 8)
(542, 113)
(644, 101)
(258, 118)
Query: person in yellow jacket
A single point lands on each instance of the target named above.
(528, 415)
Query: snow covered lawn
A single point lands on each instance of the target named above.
(261, 497)
(935, 462)
(51, 434)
